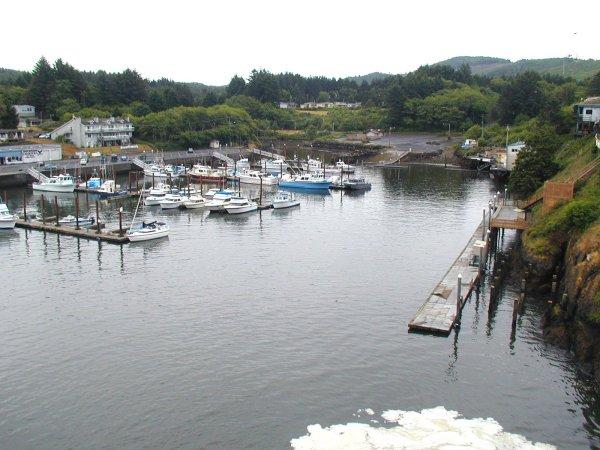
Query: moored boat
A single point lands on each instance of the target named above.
(240, 205)
(220, 200)
(172, 201)
(72, 221)
(305, 181)
(205, 174)
(194, 202)
(284, 200)
(255, 177)
(148, 231)
(357, 184)
(58, 183)
(7, 220)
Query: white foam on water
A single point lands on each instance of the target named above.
(435, 428)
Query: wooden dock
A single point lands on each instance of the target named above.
(442, 308)
(86, 233)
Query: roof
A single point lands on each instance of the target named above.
(104, 120)
(591, 101)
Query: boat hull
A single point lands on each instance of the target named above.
(170, 205)
(53, 188)
(270, 181)
(7, 223)
(204, 179)
(141, 237)
(357, 186)
(286, 204)
(193, 205)
(317, 185)
(241, 209)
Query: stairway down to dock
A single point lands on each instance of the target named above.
(267, 154)
(141, 164)
(39, 176)
(229, 161)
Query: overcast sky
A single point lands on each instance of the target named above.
(210, 41)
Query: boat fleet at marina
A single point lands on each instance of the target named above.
(314, 176)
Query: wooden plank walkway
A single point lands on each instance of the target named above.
(439, 312)
(509, 217)
(106, 236)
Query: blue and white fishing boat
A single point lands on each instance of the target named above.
(305, 181)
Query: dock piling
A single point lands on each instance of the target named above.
(121, 221)
(25, 205)
(458, 295)
(56, 209)
(484, 227)
(77, 211)
(43, 208)
(97, 218)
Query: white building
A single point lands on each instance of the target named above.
(287, 105)
(324, 105)
(95, 132)
(588, 113)
(11, 135)
(31, 153)
(26, 115)
(512, 151)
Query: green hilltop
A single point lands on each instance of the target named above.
(489, 66)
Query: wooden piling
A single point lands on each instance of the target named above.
(77, 211)
(120, 221)
(43, 212)
(56, 209)
(97, 218)
(25, 205)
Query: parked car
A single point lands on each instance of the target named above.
(83, 161)
(49, 166)
(190, 150)
(44, 136)
(124, 158)
(114, 158)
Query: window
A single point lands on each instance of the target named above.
(588, 111)
(581, 110)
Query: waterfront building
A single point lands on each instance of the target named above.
(512, 151)
(11, 135)
(26, 114)
(30, 153)
(96, 132)
(588, 113)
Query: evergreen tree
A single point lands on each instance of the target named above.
(41, 87)
(236, 86)
(593, 88)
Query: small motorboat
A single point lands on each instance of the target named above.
(172, 201)
(284, 200)
(7, 220)
(220, 200)
(58, 183)
(210, 193)
(255, 177)
(240, 205)
(72, 221)
(305, 181)
(194, 202)
(110, 189)
(344, 168)
(357, 184)
(148, 231)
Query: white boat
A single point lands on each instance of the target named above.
(284, 200)
(220, 200)
(240, 165)
(205, 174)
(254, 177)
(274, 166)
(210, 193)
(58, 183)
(72, 221)
(148, 231)
(357, 184)
(194, 202)
(110, 189)
(7, 220)
(240, 205)
(154, 200)
(172, 201)
(160, 188)
(345, 168)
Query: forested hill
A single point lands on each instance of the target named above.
(489, 66)
(369, 78)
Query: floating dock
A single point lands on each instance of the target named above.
(440, 311)
(86, 233)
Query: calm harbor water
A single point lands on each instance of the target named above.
(239, 332)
